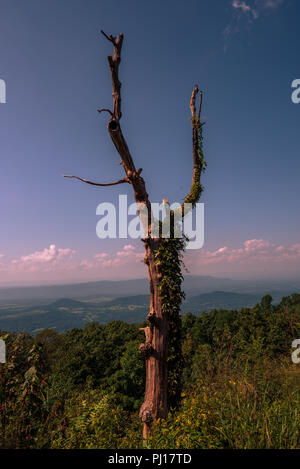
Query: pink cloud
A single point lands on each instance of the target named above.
(129, 247)
(129, 251)
(256, 244)
(253, 256)
(128, 255)
(47, 255)
(48, 258)
(101, 255)
(253, 252)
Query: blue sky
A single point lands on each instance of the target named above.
(243, 54)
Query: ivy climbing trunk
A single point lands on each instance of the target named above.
(162, 346)
(155, 348)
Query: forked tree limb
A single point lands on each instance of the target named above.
(121, 181)
(110, 37)
(114, 63)
(155, 347)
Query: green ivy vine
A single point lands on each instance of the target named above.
(169, 255)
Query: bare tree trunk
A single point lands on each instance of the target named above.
(155, 348)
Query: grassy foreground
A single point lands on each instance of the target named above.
(82, 389)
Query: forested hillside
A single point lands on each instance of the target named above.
(66, 313)
(82, 388)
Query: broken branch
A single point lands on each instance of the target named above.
(121, 181)
(106, 110)
(198, 161)
(114, 63)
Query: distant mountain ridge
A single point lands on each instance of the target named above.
(193, 285)
(65, 313)
(220, 300)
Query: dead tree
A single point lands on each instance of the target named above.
(162, 256)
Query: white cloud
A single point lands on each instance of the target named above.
(256, 7)
(47, 259)
(244, 8)
(245, 13)
(242, 5)
(47, 255)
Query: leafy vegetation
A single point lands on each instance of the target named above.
(82, 388)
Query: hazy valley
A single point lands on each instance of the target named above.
(64, 307)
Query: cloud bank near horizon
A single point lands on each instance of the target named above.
(254, 257)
